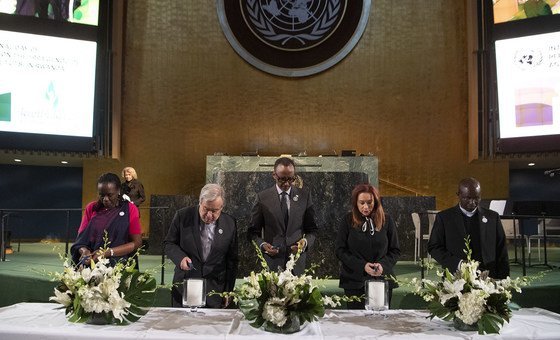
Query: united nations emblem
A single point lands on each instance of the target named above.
(293, 37)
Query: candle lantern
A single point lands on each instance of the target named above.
(194, 293)
(376, 294)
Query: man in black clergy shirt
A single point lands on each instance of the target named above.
(285, 213)
(488, 240)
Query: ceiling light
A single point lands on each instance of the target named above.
(64, 162)
(17, 160)
(531, 164)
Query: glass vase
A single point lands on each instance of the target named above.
(461, 326)
(102, 318)
(292, 325)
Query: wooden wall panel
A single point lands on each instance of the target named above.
(401, 94)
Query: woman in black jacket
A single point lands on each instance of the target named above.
(367, 244)
(132, 187)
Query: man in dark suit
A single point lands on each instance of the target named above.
(202, 242)
(286, 215)
(487, 237)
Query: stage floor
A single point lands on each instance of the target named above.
(23, 278)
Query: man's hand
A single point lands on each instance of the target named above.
(373, 269)
(186, 263)
(299, 245)
(269, 249)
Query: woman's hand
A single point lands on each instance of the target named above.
(98, 253)
(374, 269)
(85, 256)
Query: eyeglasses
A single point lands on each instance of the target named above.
(286, 179)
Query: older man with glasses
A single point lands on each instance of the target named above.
(283, 219)
(202, 243)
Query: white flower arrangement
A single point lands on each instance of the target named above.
(469, 297)
(281, 301)
(121, 294)
(8, 6)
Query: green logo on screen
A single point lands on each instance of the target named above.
(5, 107)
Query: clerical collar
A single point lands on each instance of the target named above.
(280, 191)
(468, 213)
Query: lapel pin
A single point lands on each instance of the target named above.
(296, 198)
(484, 219)
(220, 231)
(121, 213)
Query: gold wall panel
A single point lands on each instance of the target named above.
(401, 94)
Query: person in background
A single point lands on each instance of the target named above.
(367, 244)
(110, 215)
(487, 236)
(132, 187)
(202, 243)
(283, 219)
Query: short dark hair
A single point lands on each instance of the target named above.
(285, 161)
(467, 182)
(110, 177)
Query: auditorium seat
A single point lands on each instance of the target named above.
(417, 233)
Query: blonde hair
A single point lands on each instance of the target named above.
(131, 171)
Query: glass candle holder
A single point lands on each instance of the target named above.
(194, 293)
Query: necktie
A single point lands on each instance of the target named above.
(284, 207)
(206, 237)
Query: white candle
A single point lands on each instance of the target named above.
(195, 293)
(376, 294)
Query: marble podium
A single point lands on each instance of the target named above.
(330, 181)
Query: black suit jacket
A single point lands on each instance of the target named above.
(266, 216)
(135, 190)
(219, 269)
(447, 241)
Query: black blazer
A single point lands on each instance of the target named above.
(447, 241)
(266, 215)
(219, 269)
(355, 248)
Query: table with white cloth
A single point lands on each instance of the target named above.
(47, 321)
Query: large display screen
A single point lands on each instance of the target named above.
(511, 10)
(47, 84)
(76, 11)
(55, 75)
(528, 85)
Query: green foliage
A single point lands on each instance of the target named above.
(121, 292)
(280, 301)
(470, 296)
